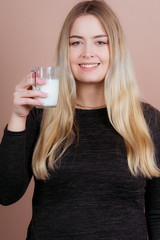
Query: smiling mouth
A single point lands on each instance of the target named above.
(89, 66)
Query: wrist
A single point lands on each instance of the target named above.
(16, 123)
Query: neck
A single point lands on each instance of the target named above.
(90, 96)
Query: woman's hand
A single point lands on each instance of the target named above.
(24, 101)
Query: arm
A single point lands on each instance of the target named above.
(152, 196)
(18, 142)
(152, 200)
(15, 159)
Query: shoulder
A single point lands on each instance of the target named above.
(152, 115)
(150, 110)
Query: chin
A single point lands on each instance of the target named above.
(90, 81)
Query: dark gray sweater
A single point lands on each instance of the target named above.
(92, 196)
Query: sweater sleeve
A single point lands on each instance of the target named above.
(152, 196)
(16, 151)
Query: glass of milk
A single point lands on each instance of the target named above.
(51, 75)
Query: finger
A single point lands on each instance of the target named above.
(40, 81)
(33, 73)
(28, 81)
(30, 94)
(27, 101)
(35, 80)
(25, 83)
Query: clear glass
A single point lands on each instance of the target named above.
(51, 75)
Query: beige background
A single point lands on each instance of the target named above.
(29, 31)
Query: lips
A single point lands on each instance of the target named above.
(89, 66)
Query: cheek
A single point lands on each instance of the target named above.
(73, 55)
(72, 60)
(104, 55)
(70, 56)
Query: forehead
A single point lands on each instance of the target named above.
(87, 25)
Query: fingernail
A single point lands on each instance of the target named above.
(45, 94)
(39, 103)
(43, 81)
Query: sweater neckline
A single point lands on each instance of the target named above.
(90, 110)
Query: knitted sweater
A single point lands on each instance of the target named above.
(92, 196)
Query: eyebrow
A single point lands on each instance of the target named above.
(80, 37)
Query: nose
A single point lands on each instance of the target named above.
(88, 51)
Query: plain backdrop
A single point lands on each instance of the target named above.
(29, 32)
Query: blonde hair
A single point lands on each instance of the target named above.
(121, 95)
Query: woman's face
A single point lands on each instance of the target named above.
(88, 51)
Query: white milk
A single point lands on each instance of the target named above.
(52, 88)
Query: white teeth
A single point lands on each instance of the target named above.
(89, 66)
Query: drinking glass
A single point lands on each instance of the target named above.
(51, 75)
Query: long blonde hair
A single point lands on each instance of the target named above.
(121, 95)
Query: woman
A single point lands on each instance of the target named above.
(95, 156)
